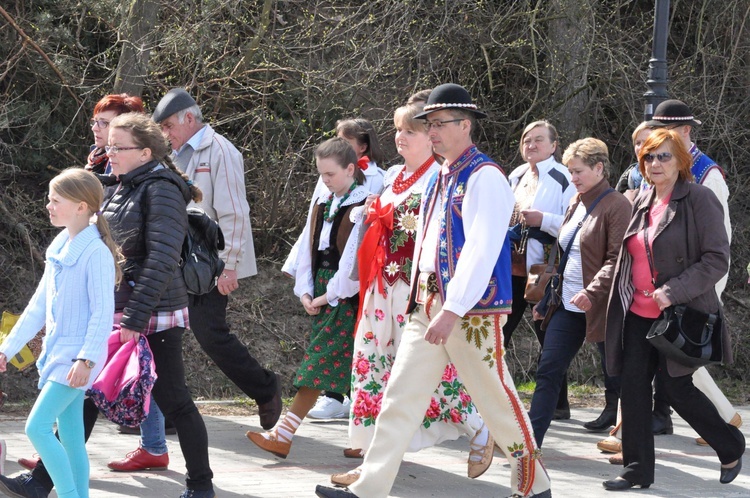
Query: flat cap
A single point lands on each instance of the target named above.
(176, 100)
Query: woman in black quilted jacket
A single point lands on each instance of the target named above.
(147, 213)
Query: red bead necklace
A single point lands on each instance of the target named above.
(400, 185)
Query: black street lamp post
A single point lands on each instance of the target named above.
(657, 65)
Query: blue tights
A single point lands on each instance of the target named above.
(66, 460)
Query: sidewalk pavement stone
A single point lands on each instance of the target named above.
(577, 468)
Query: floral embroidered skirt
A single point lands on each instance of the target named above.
(451, 413)
(327, 363)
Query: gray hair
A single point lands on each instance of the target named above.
(194, 110)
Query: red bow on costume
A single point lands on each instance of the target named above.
(363, 162)
(371, 253)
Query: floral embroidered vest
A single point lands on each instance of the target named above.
(498, 296)
(400, 250)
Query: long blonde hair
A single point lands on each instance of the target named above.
(79, 185)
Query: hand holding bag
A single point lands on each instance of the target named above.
(688, 336)
(122, 391)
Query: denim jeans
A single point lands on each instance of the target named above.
(153, 437)
(565, 334)
(518, 308)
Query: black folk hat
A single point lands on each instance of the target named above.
(449, 96)
(176, 100)
(673, 112)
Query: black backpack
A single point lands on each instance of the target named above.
(201, 265)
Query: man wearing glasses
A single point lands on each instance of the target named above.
(461, 294)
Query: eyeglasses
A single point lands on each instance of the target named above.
(439, 124)
(663, 157)
(116, 150)
(102, 123)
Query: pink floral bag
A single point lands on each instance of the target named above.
(122, 391)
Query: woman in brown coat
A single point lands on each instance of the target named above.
(602, 213)
(674, 251)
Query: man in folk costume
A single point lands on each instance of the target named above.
(676, 115)
(461, 294)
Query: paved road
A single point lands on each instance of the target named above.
(683, 469)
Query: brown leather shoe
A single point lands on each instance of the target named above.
(270, 411)
(477, 468)
(610, 445)
(736, 421)
(616, 459)
(140, 459)
(354, 453)
(346, 479)
(271, 445)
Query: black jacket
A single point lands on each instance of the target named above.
(148, 218)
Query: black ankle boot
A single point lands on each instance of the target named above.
(607, 418)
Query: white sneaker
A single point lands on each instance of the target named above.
(3, 452)
(329, 408)
(347, 405)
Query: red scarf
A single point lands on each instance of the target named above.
(363, 163)
(371, 253)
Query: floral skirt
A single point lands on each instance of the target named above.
(327, 363)
(451, 413)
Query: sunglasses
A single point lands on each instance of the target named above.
(663, 157)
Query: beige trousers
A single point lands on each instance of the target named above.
(475, 348)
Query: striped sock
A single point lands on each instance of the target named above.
(285, 430)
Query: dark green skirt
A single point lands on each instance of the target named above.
(327, 364)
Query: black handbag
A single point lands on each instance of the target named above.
(690, 337)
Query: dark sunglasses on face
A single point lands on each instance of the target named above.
(663, 157)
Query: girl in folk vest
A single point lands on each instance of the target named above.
(327, 255)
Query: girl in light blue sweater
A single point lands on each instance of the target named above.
(75, 303)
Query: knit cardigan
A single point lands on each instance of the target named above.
(75, 302)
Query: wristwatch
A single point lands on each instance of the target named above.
(88, 363)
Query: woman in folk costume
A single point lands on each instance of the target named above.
(327, 256)
(385, 260)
